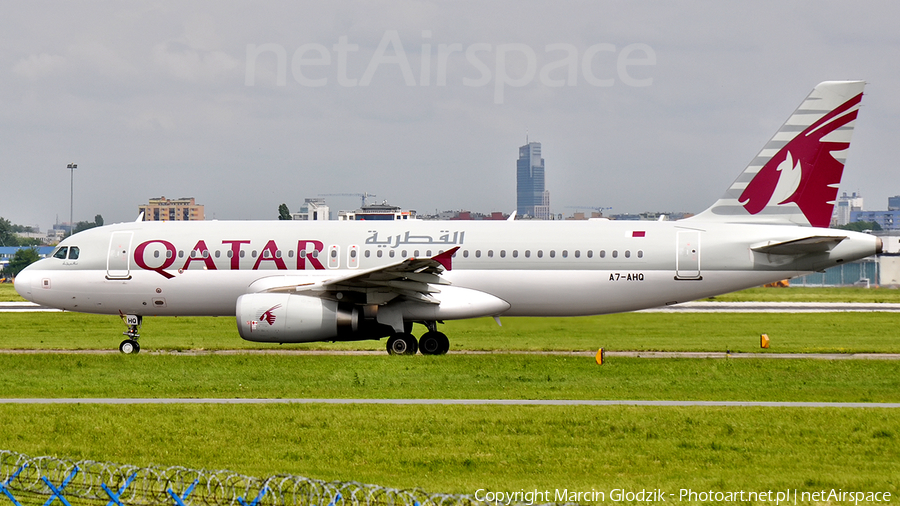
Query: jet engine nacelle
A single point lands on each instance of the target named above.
(286, 318)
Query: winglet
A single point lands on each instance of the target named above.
(445, 258)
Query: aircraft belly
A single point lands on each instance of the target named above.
(580, 293)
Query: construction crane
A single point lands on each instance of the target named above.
(362, 196)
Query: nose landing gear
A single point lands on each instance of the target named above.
(131, 344)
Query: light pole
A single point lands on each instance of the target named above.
(71, 167)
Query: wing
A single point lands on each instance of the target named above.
(412, 279)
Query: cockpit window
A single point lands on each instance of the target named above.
(70, 252)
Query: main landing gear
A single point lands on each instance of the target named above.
(131, 344)
(431, 343)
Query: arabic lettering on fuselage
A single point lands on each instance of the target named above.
(393, 241)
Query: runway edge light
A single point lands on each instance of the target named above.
(764, 341)
(600, 356)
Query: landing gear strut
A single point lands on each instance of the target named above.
(131, 345)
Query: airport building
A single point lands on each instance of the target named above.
(313, 209)
(844, 207)
(532, 199)
(163, 209)
(379, 212)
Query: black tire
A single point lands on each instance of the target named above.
(445, 343)
(430, 343)
(130, 347)
(402, 344)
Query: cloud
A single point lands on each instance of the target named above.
(193, 65)
(36, 66)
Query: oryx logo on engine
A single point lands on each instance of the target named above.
(269, 316)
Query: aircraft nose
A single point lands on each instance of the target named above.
(24, 283)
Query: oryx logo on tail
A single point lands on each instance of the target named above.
(804, 171)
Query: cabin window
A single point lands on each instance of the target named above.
(379, 253)
(553, 253)
(503, 253)
(368, 253)
(218, 253)
(334, 253)
(416, 253)
(490, 253)
(590, 253)
(61, 253)
(169, 253)
(181, 253)
(229, 253)
(243, 254)
(565, 253)
(515, 253)
(278, 253)
(540, 253)
(640, 254)
(615, 253)
(156, 254)
(577, 254)
(528, 253)
(478, 253)
(627, 253)
(290, 253)
(353, 253)
(466, 254)
(253, 254)
(603, 253)
(391, 253)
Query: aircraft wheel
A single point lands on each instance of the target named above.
(445, 343)
(433, 343)
(129, 346)
(402, 344)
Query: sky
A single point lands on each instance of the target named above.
(639, 106)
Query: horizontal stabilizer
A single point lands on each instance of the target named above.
(806, 245)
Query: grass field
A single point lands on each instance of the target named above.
(738, 332)
(447, 377)
(462, 448)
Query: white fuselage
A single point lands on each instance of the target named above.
(538, 268)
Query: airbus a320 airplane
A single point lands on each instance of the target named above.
(292, 282)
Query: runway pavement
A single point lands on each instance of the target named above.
(465, 402)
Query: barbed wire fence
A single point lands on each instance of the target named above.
(28, 480)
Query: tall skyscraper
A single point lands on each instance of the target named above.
(530, 181)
